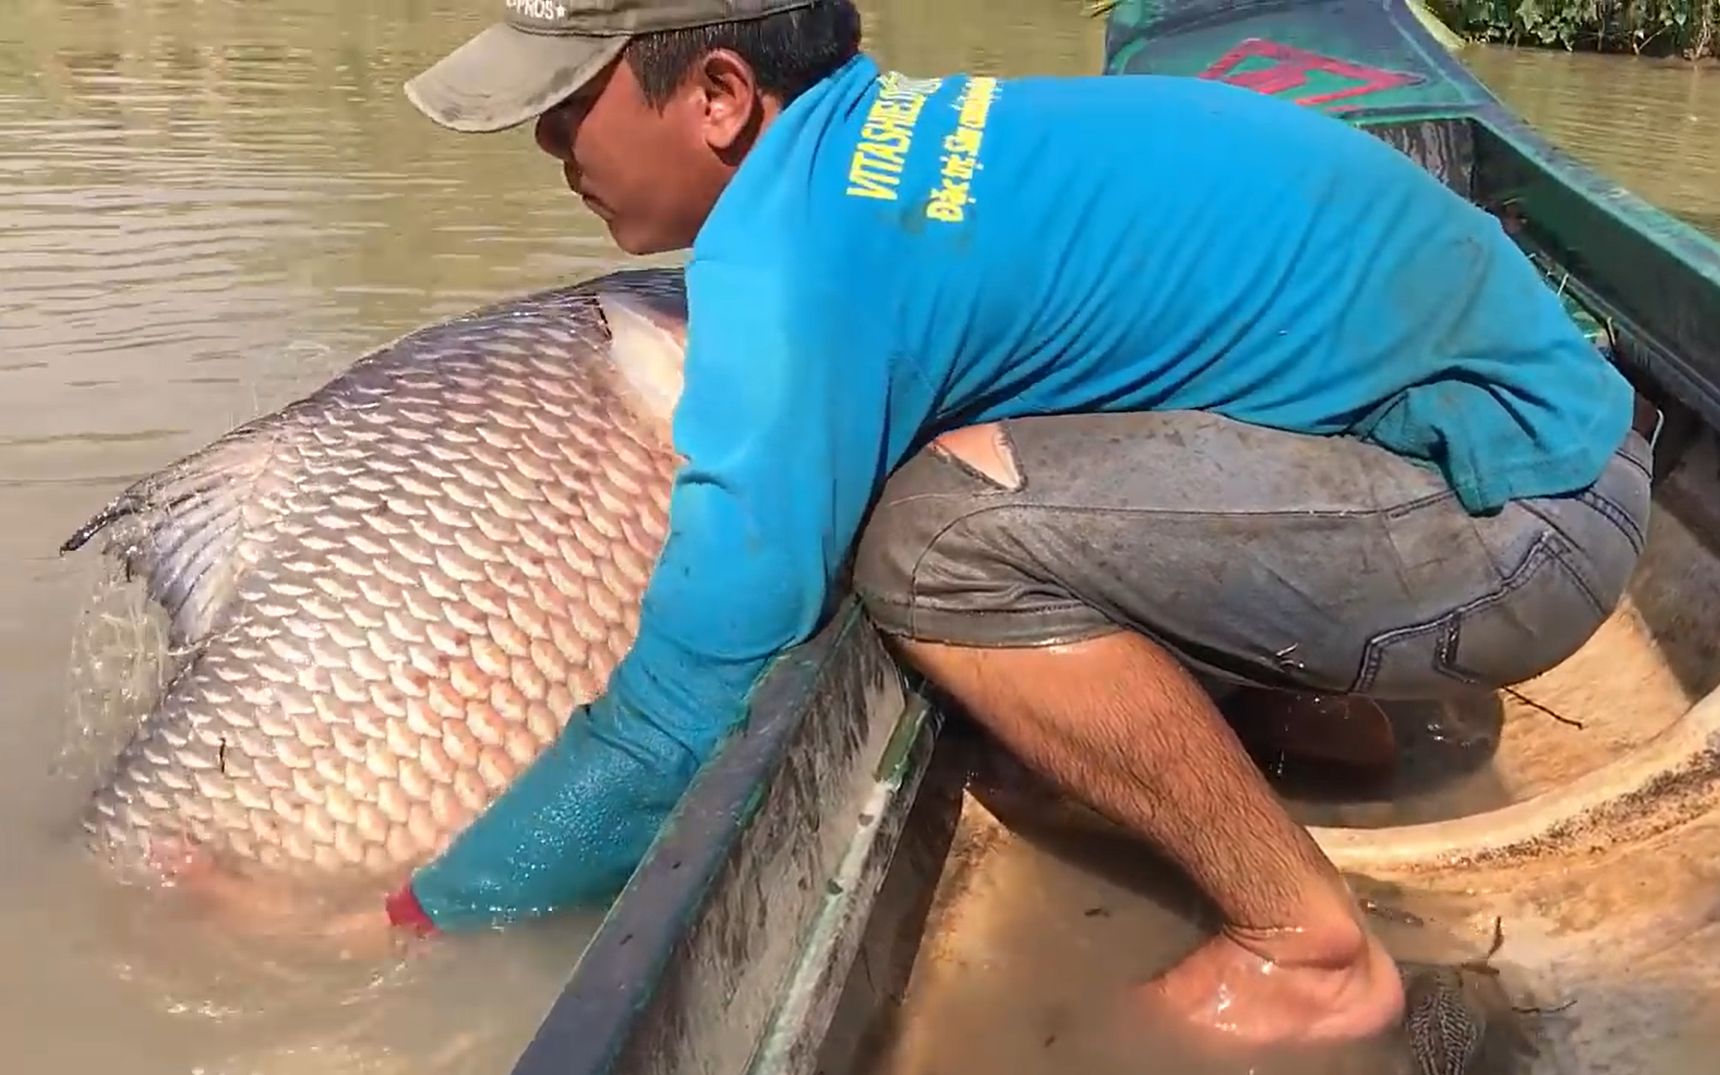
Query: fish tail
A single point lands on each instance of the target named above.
(179, 529)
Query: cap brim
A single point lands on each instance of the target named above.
(504, 77)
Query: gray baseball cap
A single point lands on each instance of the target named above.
(543, 51)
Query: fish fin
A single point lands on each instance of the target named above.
(180, 528)
(648, 344)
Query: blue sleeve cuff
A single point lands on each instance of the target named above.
(570, 830)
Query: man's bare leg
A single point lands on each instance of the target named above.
(1119, 724)
(1252, 544)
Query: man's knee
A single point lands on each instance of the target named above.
(952, 553)
(923, 502)
(984, 448)
(911, 549)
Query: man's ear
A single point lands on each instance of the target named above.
(731, 97)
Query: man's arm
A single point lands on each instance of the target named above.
(788, 422)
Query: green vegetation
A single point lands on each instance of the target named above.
(1689, 28)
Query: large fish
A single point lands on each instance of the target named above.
(387, 597)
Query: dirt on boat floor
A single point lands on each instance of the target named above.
(1045, 915)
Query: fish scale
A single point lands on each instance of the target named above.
(389, 596)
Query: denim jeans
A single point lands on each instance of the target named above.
(1255, 556)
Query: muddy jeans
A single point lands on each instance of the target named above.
(1255, 556)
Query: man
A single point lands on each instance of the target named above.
(1230, 394)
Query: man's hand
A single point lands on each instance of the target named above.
(265, 910)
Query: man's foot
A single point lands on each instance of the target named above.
(1242, 992)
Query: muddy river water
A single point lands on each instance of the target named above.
(206, 206)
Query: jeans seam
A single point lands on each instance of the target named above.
(1644, 470)
(1576, 577)
(1614, 513)
(1406, 508)
(913, 602)
(1554, 557)
(873, 596)
(995, 494)
(1169, 513)
(1544, 548)
(1601, 507)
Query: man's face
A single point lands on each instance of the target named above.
(653, 175)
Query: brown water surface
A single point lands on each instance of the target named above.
(206, 206)
(1651, 124)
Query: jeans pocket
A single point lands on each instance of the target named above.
(1539, 614)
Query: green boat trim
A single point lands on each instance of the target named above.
(729, 948)
(773, 924)
(1436, 29)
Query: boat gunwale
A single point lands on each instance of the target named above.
(624, 1005)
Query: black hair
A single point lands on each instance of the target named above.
(788, 51)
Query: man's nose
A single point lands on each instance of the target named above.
(552, 131)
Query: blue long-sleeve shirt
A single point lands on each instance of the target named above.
(897, 257)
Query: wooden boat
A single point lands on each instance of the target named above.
(827, 895)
